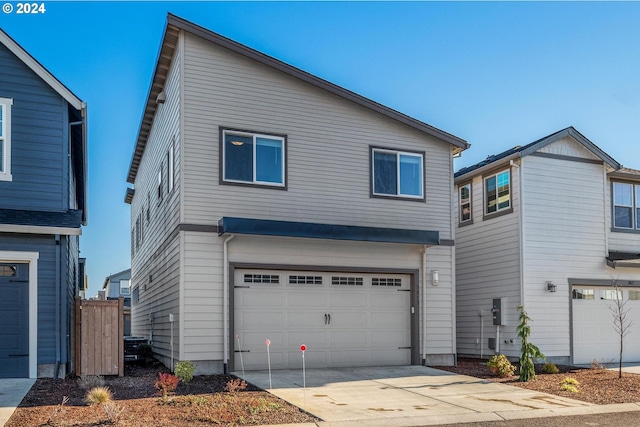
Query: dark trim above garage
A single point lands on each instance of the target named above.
(263, 227)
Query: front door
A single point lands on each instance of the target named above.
(14, 320)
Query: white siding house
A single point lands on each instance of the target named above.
(269, 204)
(538, 232)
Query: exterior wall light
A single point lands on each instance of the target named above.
(551, 287)
(434, 277)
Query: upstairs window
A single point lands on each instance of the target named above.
(5, 139)
(626, 206)
(497, 192)
(251, 158)
(160, 186)
(125, 287)
(170, 168)
(397, 173)
(464, 194)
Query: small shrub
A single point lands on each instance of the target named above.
(57, 412)
(166, 384)
(569, 384)
(595, 365)
(500, 366)
(235, 385)
(550, 368)
(113, 411)
(184, 370)
(98, 396)
(87, 382)
(189, 400)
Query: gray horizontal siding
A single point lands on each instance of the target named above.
(38, 140)
(328, 148)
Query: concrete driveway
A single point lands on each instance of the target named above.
(12, 391)
(409, 395)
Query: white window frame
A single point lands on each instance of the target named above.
(160, 189)
(486, 195)
(126, 289)
(461, 204)
(397, 153)
(5, 137)
(254, 136)
(634, 206)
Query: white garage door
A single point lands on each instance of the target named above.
(344, 319)
(594, 337)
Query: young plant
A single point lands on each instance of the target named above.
(166, 384)
(98, 396)
(550, 368)
(113, 411)
(569, 384)
(57, 412)
(500, 366)
(235, 385)
(184, 370)
(528, 351)
(621, 323)
(87, 382)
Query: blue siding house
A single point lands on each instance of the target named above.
(43, 193)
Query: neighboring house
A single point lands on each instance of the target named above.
(550, 226)
(269, 204)
(116, 286)
(43, 192)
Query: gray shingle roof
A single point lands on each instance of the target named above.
(68, 219)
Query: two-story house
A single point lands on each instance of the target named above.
(119, 285)
(43, 195)
(551, 226)
(271, 206)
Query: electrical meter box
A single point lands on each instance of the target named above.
(497, 310)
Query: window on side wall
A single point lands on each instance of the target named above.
(125, 287)
(497, 190)
(170, 168)
(253, 158)
(397, 174)
(626, 206)
(5, 139)
(464, 198)
(160, 186)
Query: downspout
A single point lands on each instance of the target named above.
(225, 304)
(424, 305)
(58, 305)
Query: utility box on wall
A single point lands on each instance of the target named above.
(497, 310)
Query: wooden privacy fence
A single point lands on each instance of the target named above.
(99, 336)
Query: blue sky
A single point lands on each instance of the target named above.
(497, 74)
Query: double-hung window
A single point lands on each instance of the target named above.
(5, 139)
(253, 158)
(497, 192)
(397, 173)
(464, 194)
(125, 287)
(626, 206)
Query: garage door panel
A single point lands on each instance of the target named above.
(349, 299)
(594, 337)
(349, 339)
(306, 298)
(367, 325)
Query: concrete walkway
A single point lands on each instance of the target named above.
(12, 391)
(412, 396)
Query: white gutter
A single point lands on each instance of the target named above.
(225, 304)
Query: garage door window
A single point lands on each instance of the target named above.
(634, 295)
(261, 278)
(609, 294)
(8, 270)
(386, 281)
(347, 281)
(305, 280)
(583, 294)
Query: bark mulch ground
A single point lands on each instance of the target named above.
(206, 402)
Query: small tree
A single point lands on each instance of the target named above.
(621, 323)
(528, 351)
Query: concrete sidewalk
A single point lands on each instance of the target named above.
(12, 391)
(414, 395)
